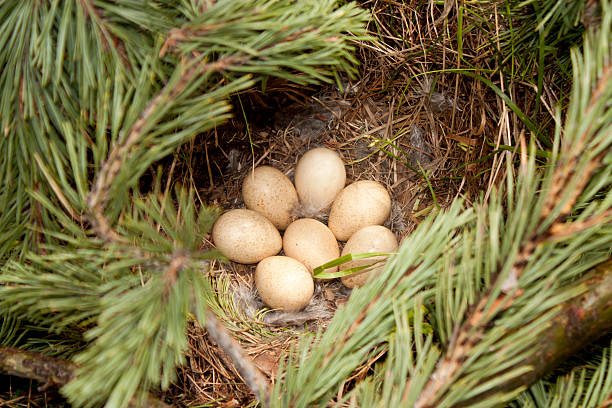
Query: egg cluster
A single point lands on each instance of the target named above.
(252, 235)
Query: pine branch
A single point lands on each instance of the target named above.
(93, 287)
(582, 154)
(538, 31)
(580, 322)
(99, 195)
(115, 104)
(50, 371)
(473, 330)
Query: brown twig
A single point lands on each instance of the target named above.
(36, 366)
(50, 371)
(563, 230)
(254, 379)
(607, 403)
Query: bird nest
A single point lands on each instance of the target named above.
(428, 134)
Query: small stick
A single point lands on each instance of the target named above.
(253, 378)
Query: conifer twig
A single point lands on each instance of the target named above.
(99, 195)
(50, 371)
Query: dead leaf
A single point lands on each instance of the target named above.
(267, 362)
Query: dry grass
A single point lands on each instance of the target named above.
(24, 393)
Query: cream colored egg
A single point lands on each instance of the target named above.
(374, 238)
(269, 192)
(310, 242)
(245, 236)
(284, 283)
(360, 204)
(319, 177)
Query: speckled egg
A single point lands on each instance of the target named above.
(319, 177)
(374, 238)
(284, 283)
(360, 204)
(245, 236)
(310, 242)
(269, 192)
